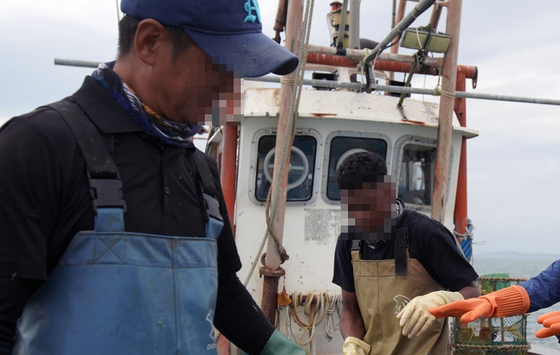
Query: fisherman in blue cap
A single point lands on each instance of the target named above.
(114, 235)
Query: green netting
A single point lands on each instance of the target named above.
(492, 350)
(492, 336)
(492, 331)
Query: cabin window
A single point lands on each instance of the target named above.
(301, 169)
(416, 174)
(414, 167)
(342, 147)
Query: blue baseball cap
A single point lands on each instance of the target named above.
(229, 31)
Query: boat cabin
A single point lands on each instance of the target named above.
(331, 125)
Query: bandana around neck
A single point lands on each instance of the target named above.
(166, 131)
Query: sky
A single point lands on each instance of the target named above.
(514, 165)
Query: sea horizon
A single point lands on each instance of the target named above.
(516, 254)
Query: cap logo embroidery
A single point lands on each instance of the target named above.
(250, 6)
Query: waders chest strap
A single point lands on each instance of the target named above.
(102, 172)
(209, 190)
(401, 244)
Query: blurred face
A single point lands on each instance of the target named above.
(370, 210)
(190, 86)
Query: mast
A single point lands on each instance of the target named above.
(272, 271)
(460, 219)
(445, 127)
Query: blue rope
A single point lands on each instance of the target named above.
(466, 245)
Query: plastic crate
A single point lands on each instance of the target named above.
(492, 336)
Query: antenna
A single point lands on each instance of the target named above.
(118, 13)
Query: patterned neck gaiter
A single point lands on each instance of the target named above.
(166, 131)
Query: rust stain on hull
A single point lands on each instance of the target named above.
(320, 115)
(418, 123)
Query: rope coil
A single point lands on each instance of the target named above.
(330, 327)
(317, 308)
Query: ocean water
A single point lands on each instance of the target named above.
(522, 268)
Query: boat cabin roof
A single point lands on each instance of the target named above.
(323, 104)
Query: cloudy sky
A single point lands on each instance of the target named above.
(514, 165)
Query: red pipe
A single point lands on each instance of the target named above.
(229, 168)
(228, 174)
(461, 103)
(400, 66)
(470, 72)
(461, 207)
(341, 61)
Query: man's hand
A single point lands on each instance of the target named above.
(278, 344)
(551, 323)
(415, 318)
(355, 346)
(506, 302)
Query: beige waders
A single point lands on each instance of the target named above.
(382, 295)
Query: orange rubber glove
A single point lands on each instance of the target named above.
(551, 323)
(509, 301)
